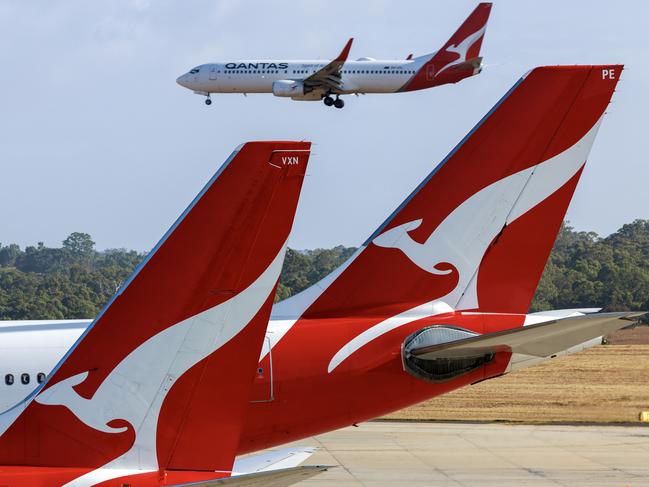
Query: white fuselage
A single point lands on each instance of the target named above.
(36, 347)
(29, 350)
(363, 76)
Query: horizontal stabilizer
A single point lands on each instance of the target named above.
(540, 340)
(274, 478)
(272, 460)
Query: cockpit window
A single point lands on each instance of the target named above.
(195, 70)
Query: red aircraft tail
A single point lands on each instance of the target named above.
(459, 58)
(159, 382)
(477, 231)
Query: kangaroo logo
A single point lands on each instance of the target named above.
(63, 394)
(135, 390)
(463, 237)
(424, 255)
(466, 233)
(462, 48)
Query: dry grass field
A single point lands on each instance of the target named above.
(604, 384)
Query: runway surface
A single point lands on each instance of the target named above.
(483, 454)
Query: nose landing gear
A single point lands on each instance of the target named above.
(208, 100)
(329, 101)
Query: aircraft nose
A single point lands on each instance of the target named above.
(183, 80)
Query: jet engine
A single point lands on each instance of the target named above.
(288, 87)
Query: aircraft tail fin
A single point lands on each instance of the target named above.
(476, 233)
(459, 58)
(161, 378)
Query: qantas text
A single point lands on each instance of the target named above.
(256, 66)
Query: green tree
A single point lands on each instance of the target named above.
(76, 281)
(79, 244)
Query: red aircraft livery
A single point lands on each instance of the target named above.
(315, 80)
(154, 391)
(437, 297)
(158, 390)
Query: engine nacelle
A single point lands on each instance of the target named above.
(288, 87)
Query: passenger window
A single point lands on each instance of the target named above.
(9, 379)
(40, 378)
(24, 378)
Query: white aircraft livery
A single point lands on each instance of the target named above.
(313, 80)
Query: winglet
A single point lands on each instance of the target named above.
(345, 52)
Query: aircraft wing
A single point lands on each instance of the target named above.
(539, 340)
(273, 478)
(329, 77)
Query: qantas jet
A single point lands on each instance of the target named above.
(313, 80)
(155, 391)
(437, 297)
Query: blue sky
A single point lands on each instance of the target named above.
(96, 136)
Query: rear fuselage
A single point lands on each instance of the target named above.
(324, 378)
(313, 376)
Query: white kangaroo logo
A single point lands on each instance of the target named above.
(423, 255)
(62, 394)
(464, 236)
(462, 48)
(135, 389)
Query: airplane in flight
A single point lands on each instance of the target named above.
(314, 80)
(437, 297)
(155, 390)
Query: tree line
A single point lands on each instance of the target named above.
(76, 280)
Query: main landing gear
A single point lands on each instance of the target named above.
(329, 101)
(208, 100)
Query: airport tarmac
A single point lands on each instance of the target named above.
(482, 454)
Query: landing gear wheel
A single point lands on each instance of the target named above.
(328, 100)
(339, 103)
(208, 102)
